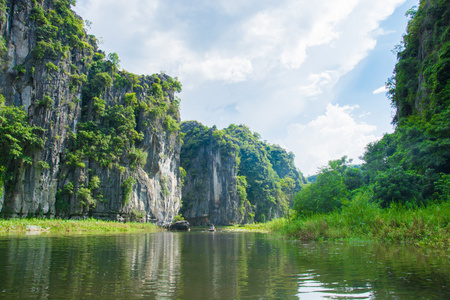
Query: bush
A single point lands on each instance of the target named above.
(52, 67)
(99, 83)
(397, 186)
(85, 197)
(130, 99)
(178, 218)
(323, 196)
(127, 189)
(171, 124)
(43, 50)
(46, 101)
(137, 158)
(94, 183)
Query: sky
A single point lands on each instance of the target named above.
(306, 75)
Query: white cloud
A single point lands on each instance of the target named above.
(215, 67)
(263, 63)
(329, 136)
(380, 90)
(318, 82)
(258, 39)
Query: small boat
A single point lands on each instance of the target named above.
(212, 228)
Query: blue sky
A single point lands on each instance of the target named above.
(307, 75)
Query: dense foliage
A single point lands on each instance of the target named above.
(266, 179)
(410, 168)
(412, 164)
(17, 141)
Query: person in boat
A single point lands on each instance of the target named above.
(212, 227)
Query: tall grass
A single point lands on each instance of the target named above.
(364, 220)
(87, 226)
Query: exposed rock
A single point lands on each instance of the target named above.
(234, 178)
(180, 225)
(54, 80)
(210, 187)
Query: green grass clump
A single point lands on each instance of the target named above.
(256, 227)
(88, 226)
(362, 220)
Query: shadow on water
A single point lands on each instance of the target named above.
(214, 265)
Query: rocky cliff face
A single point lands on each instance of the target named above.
(110, 138)
(232, 177)
(210, 192)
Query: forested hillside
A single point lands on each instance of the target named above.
(412, 164)
(232, 168)
(401, 192)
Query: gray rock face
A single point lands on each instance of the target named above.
(47, 89)
(210, 187)
(180, 225)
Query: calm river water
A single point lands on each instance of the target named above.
(220, 265)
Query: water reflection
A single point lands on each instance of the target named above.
(310, 287)
(84, 267)
(204, 265)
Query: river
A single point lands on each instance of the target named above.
(220, 265)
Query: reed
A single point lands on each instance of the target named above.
(362, 220)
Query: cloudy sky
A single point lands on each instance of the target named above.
(306, 75)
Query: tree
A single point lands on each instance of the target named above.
(17, 138)
(327, 193)
(114, 59)
(396, 185)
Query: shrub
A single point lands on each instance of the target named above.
(85, 197)
(94, 183)
(171, 124)
(127, 189)
(130, 99)
(178, 218)
(99, 83)
(46, 101)
(137, 158)
(43, 165)
(99, 106)
(397, 186)
(43, 50)
(51, 67)
(76, 80)
(323, 196)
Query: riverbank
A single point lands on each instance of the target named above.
(256, 227)
(361, 220)
(58, 226)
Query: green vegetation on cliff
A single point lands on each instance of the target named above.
(110, 132)
(85, 134)
(266, 176)
(17, 139)
(412, 165)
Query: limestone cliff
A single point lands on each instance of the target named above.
(110, 138)
(210, 193)
(233, 177)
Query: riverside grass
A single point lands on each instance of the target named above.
(87, 226)
(362, 220)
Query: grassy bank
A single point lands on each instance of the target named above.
(360, 220)
(257, 227)
(56, 226)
